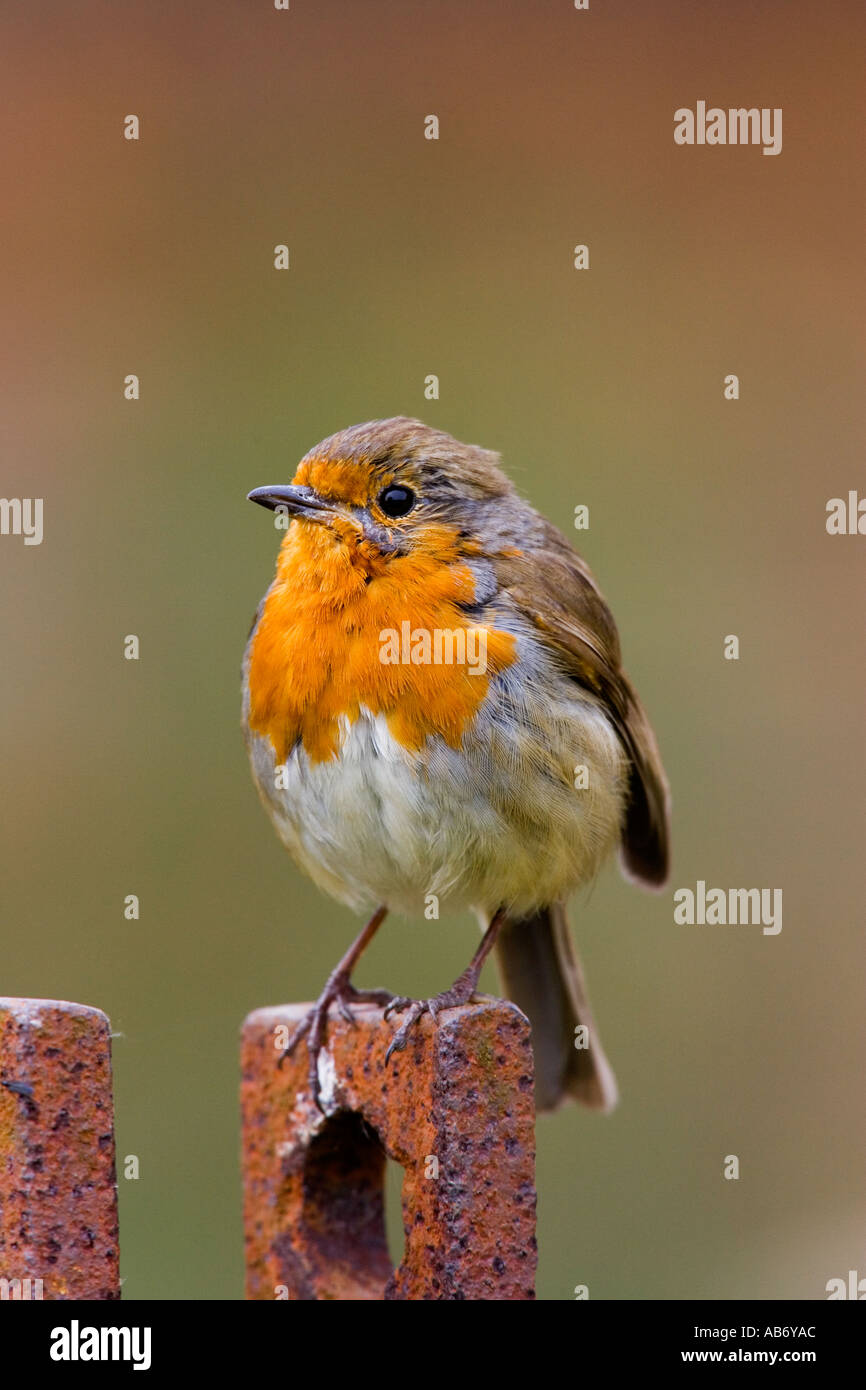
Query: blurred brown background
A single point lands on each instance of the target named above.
(603, 387)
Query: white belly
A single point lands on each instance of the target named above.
(497, 823)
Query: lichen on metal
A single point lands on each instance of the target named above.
(58, 1191)
(455, 1110)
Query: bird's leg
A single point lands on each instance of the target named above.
(460, 992)
(338, 990)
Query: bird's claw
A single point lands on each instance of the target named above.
(461, 992)
(339, 990)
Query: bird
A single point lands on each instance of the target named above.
(435, 711)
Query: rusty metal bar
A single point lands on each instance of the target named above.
(58, 1194)
(455, 1110)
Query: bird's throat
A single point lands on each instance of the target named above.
(324, 646)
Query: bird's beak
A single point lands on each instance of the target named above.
(298, 501)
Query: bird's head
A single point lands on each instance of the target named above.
(389, 489)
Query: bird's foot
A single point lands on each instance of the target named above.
(338, 990)
(461, 992)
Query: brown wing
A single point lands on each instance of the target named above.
(555, 589)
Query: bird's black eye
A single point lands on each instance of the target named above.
(396, 500)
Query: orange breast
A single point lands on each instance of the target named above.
(317, 651)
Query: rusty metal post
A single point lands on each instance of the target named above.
(455, 1110)
(58, 1194)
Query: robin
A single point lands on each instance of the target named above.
(435, 713)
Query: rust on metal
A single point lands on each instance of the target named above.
(58, 1192)
(455, 1110)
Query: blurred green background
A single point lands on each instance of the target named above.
(603, 387)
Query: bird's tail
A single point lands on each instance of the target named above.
(541, 973)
